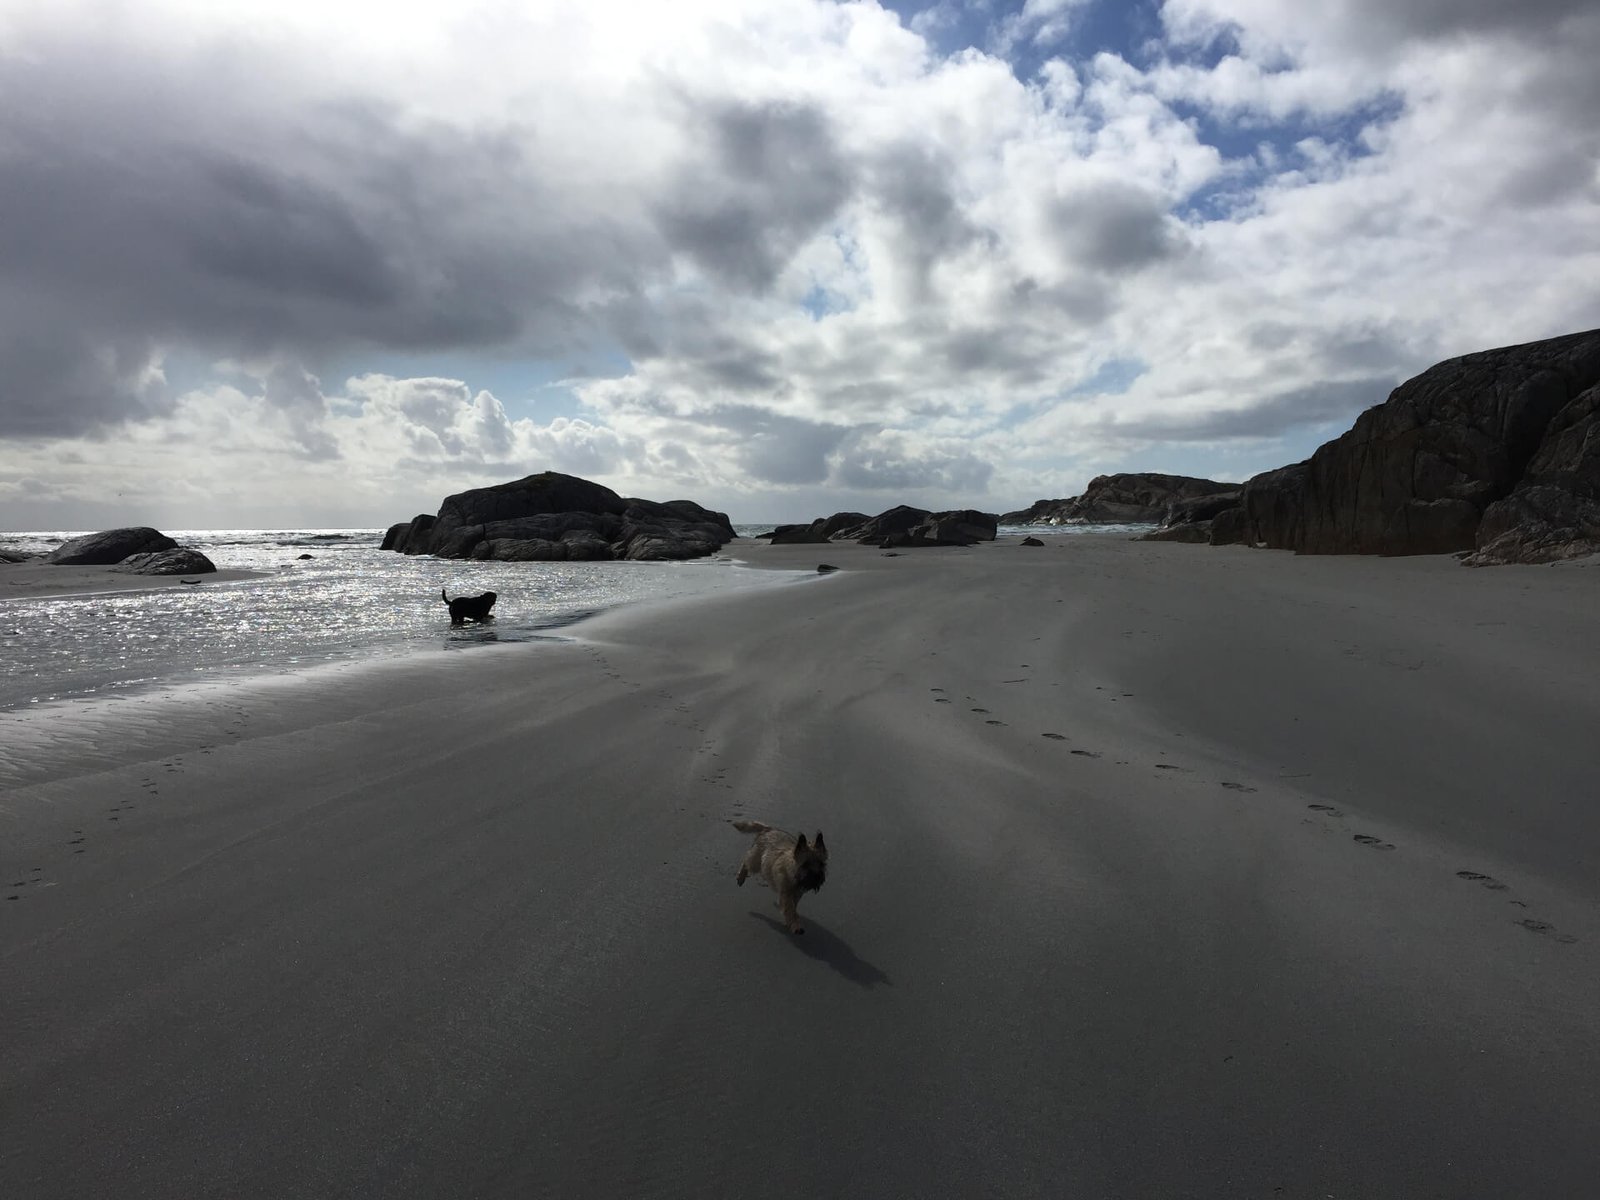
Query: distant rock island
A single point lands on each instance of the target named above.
(136, 550)
(552, 517)
(1132, 499)
(901, 526)
(1493, 455)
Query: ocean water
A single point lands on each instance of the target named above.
(348, 600)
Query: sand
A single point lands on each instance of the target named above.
(35, 580)
(1156, 870)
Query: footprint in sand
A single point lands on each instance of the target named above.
(980, 710)
(1366, 839)
(1488, 881)
(1171, 767)
(1086, 754)
(1544, 927)
(1055, 737)
(1236, 787)
(1325, 808)
(993, 722)
(940, 700)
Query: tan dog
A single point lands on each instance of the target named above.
(790, 865)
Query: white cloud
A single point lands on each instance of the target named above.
(836, 264)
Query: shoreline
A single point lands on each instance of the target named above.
(1098, 886)
(34, 580)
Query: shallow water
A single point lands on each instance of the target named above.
(347, 600)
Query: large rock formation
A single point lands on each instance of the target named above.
(181, 560)
(109, 547)
(1496, 452)
(1140, 498)
(820, 530)
(899, 526)
(554, 517)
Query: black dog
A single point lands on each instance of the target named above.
(469, 608)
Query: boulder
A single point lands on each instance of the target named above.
(1031, 541)
(963, 527)
(1134, 498)
(1554, 511)
(554, 517)
(1418, 473)
(822, 529)
(901, 519)
(181, 560)
(110, 547)
(1201, 508)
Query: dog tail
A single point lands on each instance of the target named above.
(750, 826)
(443, 597)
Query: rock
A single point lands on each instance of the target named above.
(898, 520)
(110, 546)
(1135, 498)
(959, 528)
(1229, 528)
(1539, 524)
(1202, 508)
(1417, 473)
(825, 568)
(180, 560)
(822, 529)
(1031, 541)
(15, 556)
(403, 536)
(553, 517)
(907, 526)
(302, 557)
(1554, 512)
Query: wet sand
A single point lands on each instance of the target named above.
(35, 580)
(1155, 870)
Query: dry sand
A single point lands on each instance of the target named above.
(1156, 871)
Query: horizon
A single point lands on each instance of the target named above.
(332, 262)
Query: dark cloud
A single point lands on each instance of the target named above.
(1301, 408)
(1450, 18)
(781, 450)
(762, 179)
(1114, 227)
(876, 463)
(911, 183)
(133, 217)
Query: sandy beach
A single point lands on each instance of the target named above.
(1156, 870)
(34, 579)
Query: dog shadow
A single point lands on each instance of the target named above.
(825, 946)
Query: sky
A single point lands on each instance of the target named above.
(277, 263)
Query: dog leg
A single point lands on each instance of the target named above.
(742, 876)
(791, 918)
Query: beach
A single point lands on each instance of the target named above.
(1155, 870)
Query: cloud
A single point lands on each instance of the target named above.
(818, 255)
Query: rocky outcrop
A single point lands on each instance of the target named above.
(181, 560)
(820, 530)
(1493, 452)
(1139, 498)
(899, 526)
(554, 517)
(109, 547)
(1554, 511)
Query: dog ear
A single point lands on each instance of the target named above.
(817, 842)
(800, 843)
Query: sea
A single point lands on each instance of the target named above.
(322, 596)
